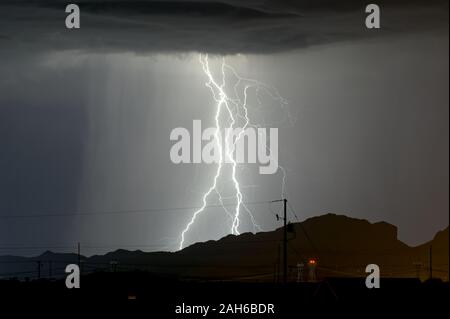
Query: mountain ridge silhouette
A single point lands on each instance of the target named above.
(342, 246)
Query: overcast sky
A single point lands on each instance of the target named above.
(85, 117)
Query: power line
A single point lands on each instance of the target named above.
(305, 232)
(293, 212)
(121, 212)
(128, 246)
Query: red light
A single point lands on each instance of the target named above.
(312, 261)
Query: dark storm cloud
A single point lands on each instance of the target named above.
(229, 26)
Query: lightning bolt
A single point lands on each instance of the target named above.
(237, 109)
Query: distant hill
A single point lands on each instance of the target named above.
(440, 252)
(342, 246)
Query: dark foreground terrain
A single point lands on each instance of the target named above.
(235, 274)
(162, 296)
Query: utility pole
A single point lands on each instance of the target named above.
(39, 269)
(79, 255)
(285, 266)
(49, 269)
(300, 267)
(279, 263)
(431, 262)
(79, 258)
(113, 264)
